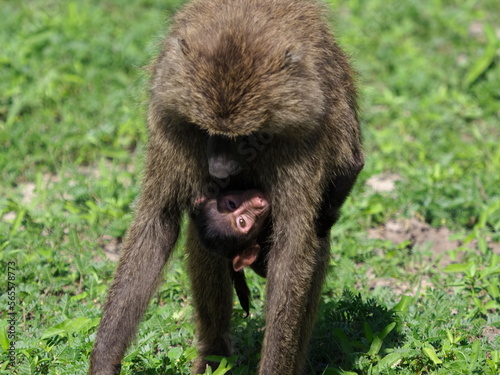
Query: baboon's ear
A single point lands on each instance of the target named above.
(246, 258)
(184, 46)
(290, 57)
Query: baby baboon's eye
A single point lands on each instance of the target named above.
(241, 222)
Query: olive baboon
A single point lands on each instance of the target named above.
(264, 83)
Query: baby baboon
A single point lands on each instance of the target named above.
(230, 224)
(247, 94)
(233, 225)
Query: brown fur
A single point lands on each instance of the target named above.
(239, 68)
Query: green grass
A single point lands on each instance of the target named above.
(72, 135)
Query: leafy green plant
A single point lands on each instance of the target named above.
(72, 132)
(481, 286)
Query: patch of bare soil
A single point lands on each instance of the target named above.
(490, 333)
(417, 233)
(420, 234)
(111, 247)
(383, 182)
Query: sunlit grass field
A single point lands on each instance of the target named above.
(414, 279)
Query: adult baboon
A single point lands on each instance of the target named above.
(265, 81)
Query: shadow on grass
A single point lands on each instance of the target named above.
(344, 336)
(351, 332)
